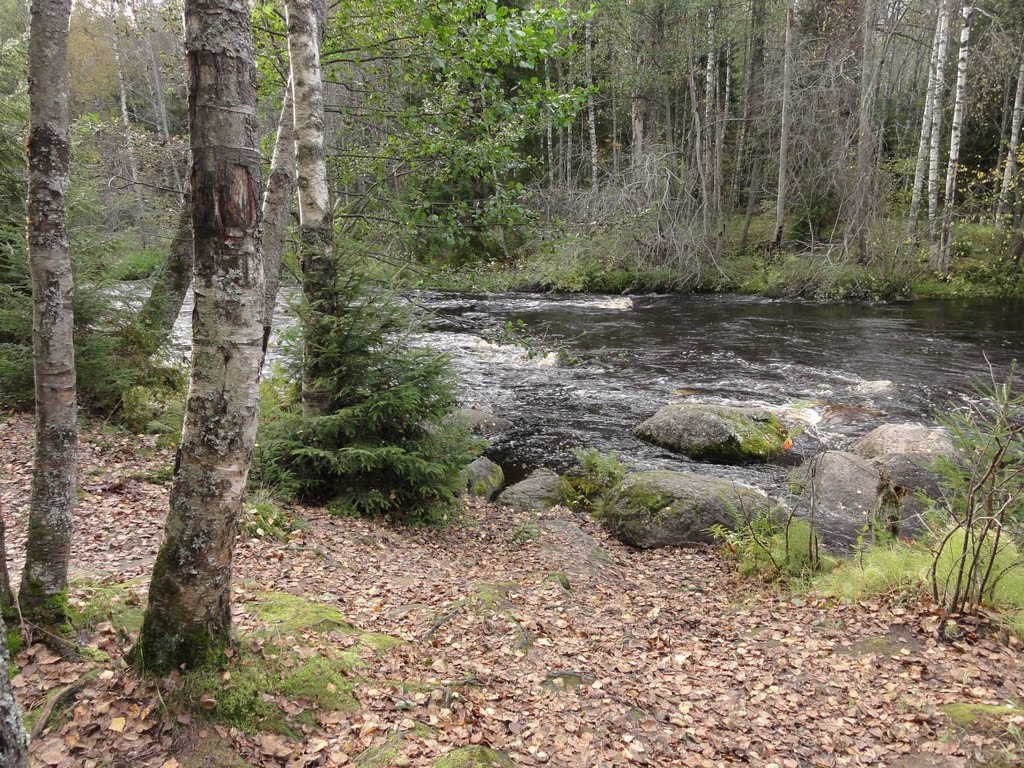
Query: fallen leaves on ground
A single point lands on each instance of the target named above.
(536, 635)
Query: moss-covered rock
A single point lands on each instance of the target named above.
(484, 479)
(663, 508)
(716, 433)
(474, 757)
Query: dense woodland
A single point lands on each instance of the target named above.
(325, 161)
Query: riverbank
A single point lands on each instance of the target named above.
(521, 638)
(985, 265)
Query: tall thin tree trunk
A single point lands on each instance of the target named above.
(306, 21)
(117, 16)
(956, 132)
(864, 181)
(935, 142)
(636, 121)
(1010, 167)
(156, 86)
(927, 117)
(549, 126)
(13, 739)
(188, 619)
(591, 117)
(787, 119)
(43, 594)
(711, 121)
(277, 205)
(163, 305)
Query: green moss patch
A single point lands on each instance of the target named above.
(277, 693)
(382, 755)
(121, 605)
(288, 614)
(985, 718)
(474, 757)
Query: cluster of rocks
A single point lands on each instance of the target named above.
(879, 481)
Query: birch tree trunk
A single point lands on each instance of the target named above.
(117, 17)
(591, 117)
(787, 88)
(941, 261)
(1010, 168)
(865, 170)
(927, 118)
(43, 594)
(306, 20)
(277, 205)
(188, 619)
(13, 739)
(936, 137)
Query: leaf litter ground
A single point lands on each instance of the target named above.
(533, 635)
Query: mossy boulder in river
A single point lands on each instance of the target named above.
(665, 509)
(720, 433)
(840, 492)
(484, 479)
(542, 489)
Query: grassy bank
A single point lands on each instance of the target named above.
(621, 260)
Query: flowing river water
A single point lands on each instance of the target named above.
(582, 371)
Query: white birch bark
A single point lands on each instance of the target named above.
(927, 116)
(306, 20)
(956, 133)
(277, 205)
(591, 116)
(1010, 166)
(787, 88)
(43, 594)
(188, 619)
(935, 141)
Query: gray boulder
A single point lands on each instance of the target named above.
(484, 479)
(542, 489)
(840, 492)
(480, 422)
(890, 439)
(717, 433)
(665, 509)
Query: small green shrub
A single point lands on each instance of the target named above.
(262, 518)
(771, 546)
(595, 475)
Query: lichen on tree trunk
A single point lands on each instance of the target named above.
(13, 739)
(188, 618)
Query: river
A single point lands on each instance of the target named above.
(588, 369)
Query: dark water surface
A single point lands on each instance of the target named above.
(838, 369)
(897, 362)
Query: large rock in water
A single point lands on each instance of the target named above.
(716, 432)
(916, 439)
(484, 479)
(542, 489)
(839, 492)
(665, 509)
